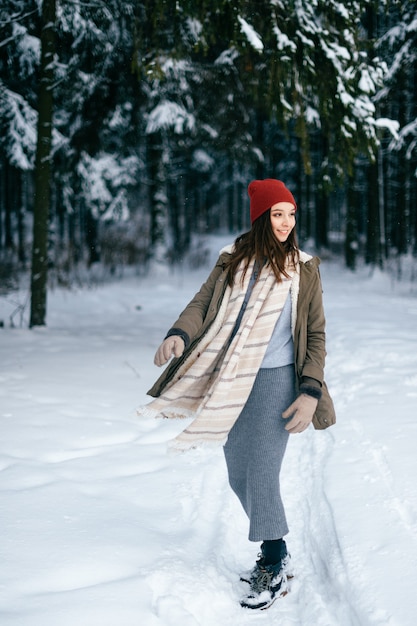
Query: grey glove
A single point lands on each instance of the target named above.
(301, 411)
(172, 346)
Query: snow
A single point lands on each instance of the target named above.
(100, 525)
(194, 28)
(366, 83)
(202, 161)
(170, 115)
(283, 41)
(409, 131)
(312, 116)
(250, 33)
(101, 176)
(227, 57)
(28, 49)
(22, 130)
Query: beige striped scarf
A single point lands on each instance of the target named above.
(214, 383)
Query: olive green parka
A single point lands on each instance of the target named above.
(308, 328)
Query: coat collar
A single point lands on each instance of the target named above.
(304, 256)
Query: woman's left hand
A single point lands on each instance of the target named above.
(302, 411)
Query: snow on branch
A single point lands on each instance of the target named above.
(251, 35)
(28, 49)
(170, 115)
(104, 181)
(227, 57)
(18, 121)
(283, 41)
(388, 124)
(407, 134)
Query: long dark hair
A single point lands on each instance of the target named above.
(261, 244)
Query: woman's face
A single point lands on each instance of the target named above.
(282, 217)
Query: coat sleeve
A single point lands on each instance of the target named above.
(312, 353)
(311, 347)
(194, 321)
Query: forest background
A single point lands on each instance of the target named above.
(129, 130)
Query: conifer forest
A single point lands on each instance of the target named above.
(130, 129)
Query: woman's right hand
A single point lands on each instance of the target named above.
(171, 346)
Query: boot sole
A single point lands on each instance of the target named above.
(267, 606)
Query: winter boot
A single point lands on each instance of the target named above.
(267, 581)
(284, 558)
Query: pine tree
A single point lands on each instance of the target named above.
(398, 45)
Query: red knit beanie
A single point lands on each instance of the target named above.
(264, 194)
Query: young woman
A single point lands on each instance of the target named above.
(249, 357)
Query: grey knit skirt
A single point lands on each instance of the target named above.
(255, 449)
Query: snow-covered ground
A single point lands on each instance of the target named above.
(101, 527)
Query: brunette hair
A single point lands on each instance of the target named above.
(261, 244)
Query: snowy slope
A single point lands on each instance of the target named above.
(100, 526)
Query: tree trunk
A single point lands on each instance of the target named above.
(2, 198)
(39, 274)
(175, 221)
(373, 255)
(322, 218)
(91, 238)
(11, 180)
(306, 216)
(154, 156)
(21, 211)
(322, 198)
(351, 238)
(230, 198)
(401, 234)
